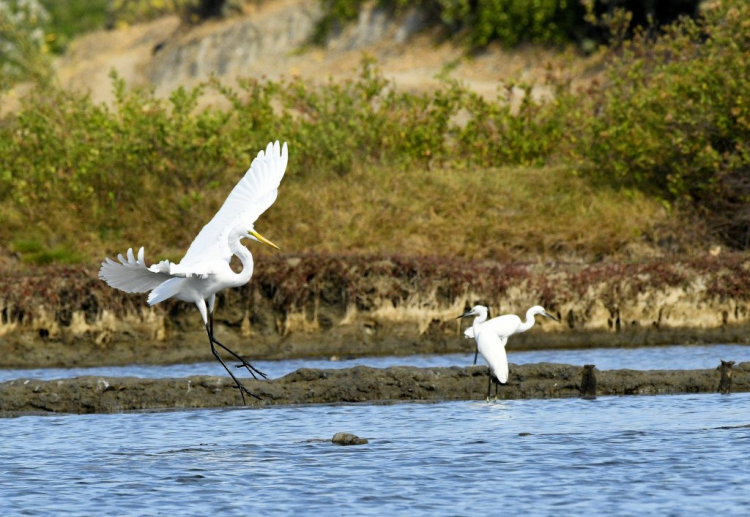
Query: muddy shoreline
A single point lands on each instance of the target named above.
(320, 306)
(360, 384)
(194, 347)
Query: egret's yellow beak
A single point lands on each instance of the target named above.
(262, 239)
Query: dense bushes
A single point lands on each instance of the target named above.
(23, 46)
(73, 169)
(513, 21)
(669, 117)
(126, 12)
(70, 18)
(63, 148)
(673, 116)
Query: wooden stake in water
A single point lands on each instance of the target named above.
(588, 382)
(725, 383)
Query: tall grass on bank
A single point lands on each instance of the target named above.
(508, 214)
(372, 170)
(152, 171)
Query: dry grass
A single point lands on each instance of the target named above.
(501, 214)
(505, 214)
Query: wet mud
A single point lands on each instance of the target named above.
(360, 384)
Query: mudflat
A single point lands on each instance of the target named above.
(354, 385)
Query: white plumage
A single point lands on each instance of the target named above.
(492, 336)
(205, 270)
(252, 196)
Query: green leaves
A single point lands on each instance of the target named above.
(483, 21)
(24, 52)
(670, 117)
(146, 159)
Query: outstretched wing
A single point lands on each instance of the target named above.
(255, 192)
(131, 275)
(492, 348)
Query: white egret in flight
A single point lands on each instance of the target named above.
(492, 336)
(205, 270)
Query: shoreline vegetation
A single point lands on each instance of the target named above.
(648, 158)
(321, 305)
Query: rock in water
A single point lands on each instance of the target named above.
(348, 439)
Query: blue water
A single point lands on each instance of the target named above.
(661, 455)
(646, 358)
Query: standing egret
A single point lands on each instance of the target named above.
(205, 270)
(492, 336)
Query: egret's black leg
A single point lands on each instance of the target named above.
(250, 368)
(476, 354)
(242, 388)
(496, 386)
(489, 384)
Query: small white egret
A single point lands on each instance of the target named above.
(492, 336)
(205, 270)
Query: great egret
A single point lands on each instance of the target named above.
(205, 270)
(492, 336)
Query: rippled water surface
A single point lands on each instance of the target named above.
(646, 358)
(665, 455)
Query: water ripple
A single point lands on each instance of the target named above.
(614, 455)
(644, 358)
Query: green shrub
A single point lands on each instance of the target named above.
(92, 165)
(507, 21)
(71, 18)
(498, 133)
(128, 12)
(672, 116)
(23, 46)
(510, 22)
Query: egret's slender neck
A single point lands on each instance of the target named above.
(245, 257)
(481, 318)
(526, 325)
(478, 322)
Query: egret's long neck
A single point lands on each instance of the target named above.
(478, 322)
(246, 258)
(526, 325)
